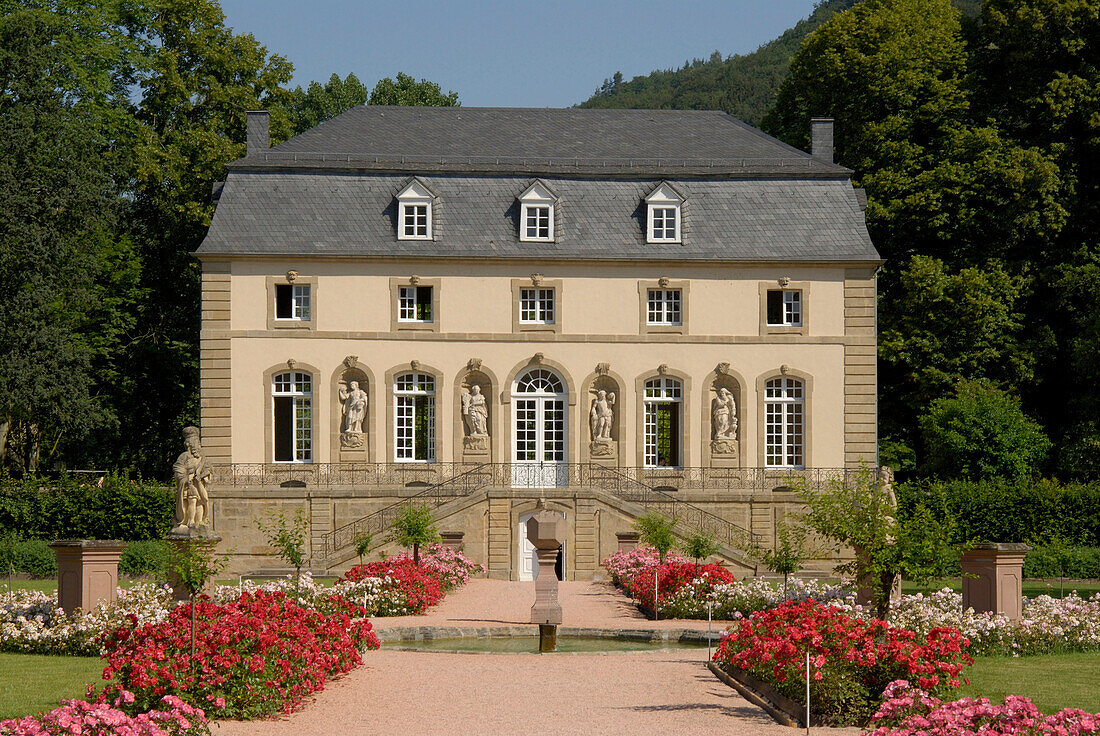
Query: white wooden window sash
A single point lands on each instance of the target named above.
(536, 306)
(664, 307)
(784, 423)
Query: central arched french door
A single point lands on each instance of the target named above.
(540, 406)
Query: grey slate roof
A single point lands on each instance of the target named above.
(291, 202)
(562, 141)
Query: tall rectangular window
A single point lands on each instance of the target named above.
(414, 304)
(663, 307)
(536, 306)
(292, 302)
(664, 223)
(784, 423)
(414, 420)
(784, 308)
(414, 221)
(292, 398)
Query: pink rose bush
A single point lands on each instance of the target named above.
(453, 568)
(624, 565)
(852, 660)
(170, 717)
(910, 711)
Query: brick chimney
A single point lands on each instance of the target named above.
(256, 130)
(821, 139)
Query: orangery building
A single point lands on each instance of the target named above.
(616, 311)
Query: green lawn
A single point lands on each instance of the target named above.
(51, 583)
(1031, 588)
(30, 683)
(1052, 681)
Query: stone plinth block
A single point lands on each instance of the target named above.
(546, 531)
(627, 540)
(207, 541)
(452, 540)
(993, 576)
(87, 572)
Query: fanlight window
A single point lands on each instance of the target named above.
(784, 423)
(292, 399)
(414, 421)
(540, 381)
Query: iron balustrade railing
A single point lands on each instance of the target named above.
(650, 488)
(516, 475)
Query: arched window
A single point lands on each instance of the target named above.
(784, 423)
(539, 401)
(292, 399)
(539, 381)
(663, 417)
(414, 420)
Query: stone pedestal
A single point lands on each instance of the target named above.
(452, 540)
(627, 540)
(546, 531)
(993, 576)
(87, 572)
(204, 539)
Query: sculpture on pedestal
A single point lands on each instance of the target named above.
(475, 420)
(600, 420)
(723, 413)
(192, 474)
(354, 405)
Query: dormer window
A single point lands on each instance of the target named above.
(536, 215)
(664, 214)
(414, 212)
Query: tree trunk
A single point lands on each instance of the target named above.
(32, 448)
(192, 631)
(5, 426)
(416, 553)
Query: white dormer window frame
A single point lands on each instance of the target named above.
(414, 212)
(537, 211)
(664, 214)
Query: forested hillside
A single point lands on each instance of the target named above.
(742, 85)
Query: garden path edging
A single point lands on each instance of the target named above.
(785, 711)
(429, 633)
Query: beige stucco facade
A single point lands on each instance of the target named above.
(599, 320)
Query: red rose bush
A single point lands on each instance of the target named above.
(910, 711)
(254, 657)
(682, 588)
(852, 660)
(420, 587)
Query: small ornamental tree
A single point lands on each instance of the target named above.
(655, 529)
(193, 566)
(415, 527)
(288, 538)
(789, 553)
(855, 511)
(699, 546)
(362, 544)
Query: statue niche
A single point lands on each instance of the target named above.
(723, 418)
(603, 420)
(475, 391)
(351, 392)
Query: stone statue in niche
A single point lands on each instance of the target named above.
(475, 412)
(354, 406)
(192, 474)
(723, 416)
(602, 416)
(475, 420)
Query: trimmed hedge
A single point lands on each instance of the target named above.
(67, 508)
(35, 558)
(1070, 562)
(998, 510)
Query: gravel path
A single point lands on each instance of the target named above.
(670, 692)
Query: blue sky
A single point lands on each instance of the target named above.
(512, 54)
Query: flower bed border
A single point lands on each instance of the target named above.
(783, 710)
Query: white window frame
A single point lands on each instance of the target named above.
(413, 219)
(407, 388)
(664, 199)
(535, 198)
(785, 423)
(664, 306)
(792, 308)
(415, 194)
(408, 301)
(300, 303)
(537, 305)
(297, 385)
(659, 391)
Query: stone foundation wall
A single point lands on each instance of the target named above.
(489, 521)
